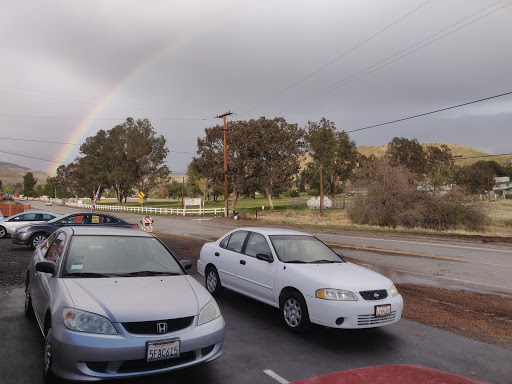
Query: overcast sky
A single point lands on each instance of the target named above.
(70, 68)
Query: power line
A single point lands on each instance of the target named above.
(337, 58)
(386, 62)
(431, 112)
(34, 157)
(38, 141)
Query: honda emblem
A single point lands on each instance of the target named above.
(376, 295)
(161, 327)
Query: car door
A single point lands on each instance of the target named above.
(227, 258)
(256, 277)
(41, 288)
(17, 221)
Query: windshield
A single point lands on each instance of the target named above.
(303, 249)
(101, 256)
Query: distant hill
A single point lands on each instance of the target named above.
(457, 150)
(11, 174)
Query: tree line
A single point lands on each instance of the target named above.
(264, 156)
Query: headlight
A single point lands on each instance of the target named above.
(335, 294)
(23, 229)
(209, 312)
(82, 321)
(393, 290)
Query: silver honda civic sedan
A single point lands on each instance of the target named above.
(114, 303)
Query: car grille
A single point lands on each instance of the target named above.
(373, 320)
(151, 328)
(374, 295)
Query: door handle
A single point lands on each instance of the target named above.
(242, 262)
(217, 254)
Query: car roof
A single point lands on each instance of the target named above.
(33, 211)
(269, 231)
(99, 230)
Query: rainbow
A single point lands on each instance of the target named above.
(79, 134)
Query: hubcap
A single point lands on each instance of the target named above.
(211, 281)
(27, 300)
(292, 312)
(38, 240)
(2, 232)
(47, 359)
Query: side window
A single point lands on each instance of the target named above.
(47, 217)
(257, 244)
(47, 243)
(236, 241)
(224, 243)
(56, 249)
(28, 217)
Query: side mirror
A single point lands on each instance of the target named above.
(265, 257)
(47, 267)
(187, 264)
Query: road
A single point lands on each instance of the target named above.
(480, 267)
(256, 341)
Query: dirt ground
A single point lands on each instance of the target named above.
(481, 317)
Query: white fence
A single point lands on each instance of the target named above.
(162, 211)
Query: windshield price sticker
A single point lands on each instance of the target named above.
(382, 310)
(169, 349)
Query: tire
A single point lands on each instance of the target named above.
(29, 310)
(37, 239)
(212, 282)
(48, 375)
(3, 232)
(294, 312)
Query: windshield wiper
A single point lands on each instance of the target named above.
(296, 262)
(325, 261)
(86, 274)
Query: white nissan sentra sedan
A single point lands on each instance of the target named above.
(301, 276)
(116, 303)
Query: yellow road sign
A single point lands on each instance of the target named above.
(141, 195)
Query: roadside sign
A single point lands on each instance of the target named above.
(141, 195)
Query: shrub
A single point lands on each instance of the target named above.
(291, 193)
(392, 200)
(313, 192)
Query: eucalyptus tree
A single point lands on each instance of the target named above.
(333, 151)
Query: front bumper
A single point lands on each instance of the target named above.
(20, 238)
(91, 357)
(355, 314)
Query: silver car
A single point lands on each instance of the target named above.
(115, 303)
(9, 224)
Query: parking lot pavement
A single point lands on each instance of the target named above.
(256, 341)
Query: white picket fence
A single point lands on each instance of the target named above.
(162, 211)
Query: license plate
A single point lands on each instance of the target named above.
(162, 350)
(382, 310)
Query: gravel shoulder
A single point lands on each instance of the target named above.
(486, 318)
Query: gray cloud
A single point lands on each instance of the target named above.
(197, 59)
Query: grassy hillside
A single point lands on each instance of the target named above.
(11, 174)
(457, 150)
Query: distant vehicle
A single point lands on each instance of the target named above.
(116, 303)
(34, 235)
(9, 224)
(300, 275)
(48, 203)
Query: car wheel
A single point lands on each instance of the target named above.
(37, 239)
(212, 282)
(294, 312)
(48, 375)
(3, 232)
(29, 310)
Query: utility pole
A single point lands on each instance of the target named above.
(182, 191)
(321, 191)
(225, 165)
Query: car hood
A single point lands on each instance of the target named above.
(128, 299)
(345, 276)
